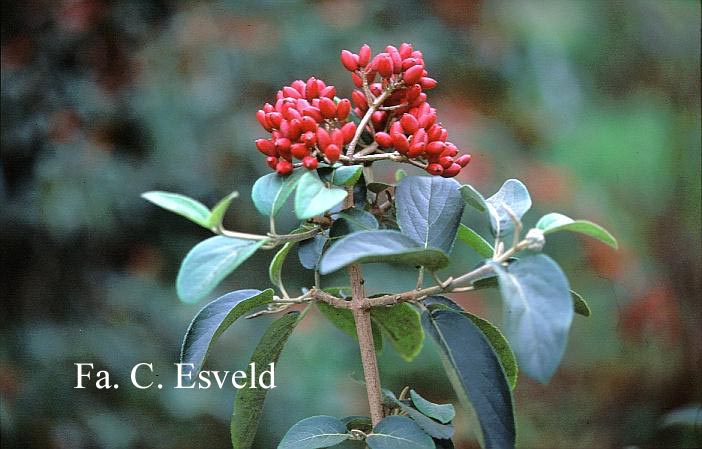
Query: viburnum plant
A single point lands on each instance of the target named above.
(322, 149)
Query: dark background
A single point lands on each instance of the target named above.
(595, 105)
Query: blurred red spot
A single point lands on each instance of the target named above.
(655, 312)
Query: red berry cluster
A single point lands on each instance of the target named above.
(404, 121)
(306, 123)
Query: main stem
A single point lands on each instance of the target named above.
(364, 331)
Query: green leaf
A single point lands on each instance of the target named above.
(513, 195)
(248, 403)
(276, 267)
(475, 373)
(428, 425)
(441, 412)
(182, 205)
(400, 174)
(501, 347)
(270, 192)
(343, 320)
(352, 220)
(402, 324)
(580, 306)
(475, 241)
(220, 209)
(380, 246)
(310, 251)
(346, 175)
(209, 262)
(215, 318)
(313, 197)
(429, 210)
(315, 432)
(473, 197)
(398, 432)
(538, 312)
(492, 333)
(555, 222)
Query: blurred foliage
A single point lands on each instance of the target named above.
(594, 105)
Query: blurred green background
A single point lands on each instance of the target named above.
(595, 105)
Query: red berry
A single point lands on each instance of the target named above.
(395, 58)
(409, 123)
(383, 139)
(272, 162)
(435, 169)
(327, 107)
(309, 139)
(299, 150)
(385, 66)
(359, 99)
(313, 112)
(412, 75)
(416, 149)
(329, 92)
(435, 148)
(348, 60)
(427, 83)
(405, 50)
(323, 138)
(413, 92)
(312, 89)
(446, 161)
(266, 147)
(364, 55)
(434, 132)
(342, 109)
(452, 171)
(261, 117)
(282, 145)
(299, 86)
(291, 92)
(357, 80)
(308, 124)
(463, 160)
(337, 138)
(284, 167)
(427, 120)
(378, 119)
(420, 136)
(348, 131)
(310, 162)
(332, 152)
(399, 141)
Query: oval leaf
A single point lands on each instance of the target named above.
(475, 374)
(398, 432)
(380, 246)
(475, 241)
(315, 432)
(500, 346)
(275, 269)
(270, 192)
(313, 197)
(209, 262)
(352, 220)
(220, 209)
(310, 251)
(513, 195)
(402, 324)
(428, 425)
(182, 205)
(473, 197)
(441, 412)
(215, 318)
(429, 210)
(555, 222)
(538, 311)
(248, 403)
(346, 175)
(580, 306)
